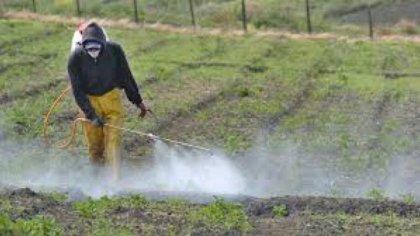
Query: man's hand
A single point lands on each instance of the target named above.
(98, 122)
(143, 109)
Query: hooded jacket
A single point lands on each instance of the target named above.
(110, 70)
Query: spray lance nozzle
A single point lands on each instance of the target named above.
(188, 145)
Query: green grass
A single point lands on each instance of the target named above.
(280, 14)
(222, 91)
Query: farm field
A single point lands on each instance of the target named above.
(327, 15)
(330, 118)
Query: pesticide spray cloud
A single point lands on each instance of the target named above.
(288, 170)
(179, 170)
(172, 170)
(262, 172)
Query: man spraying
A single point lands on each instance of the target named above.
(98, 71)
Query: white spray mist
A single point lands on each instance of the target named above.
(262, 172)
(173, 170)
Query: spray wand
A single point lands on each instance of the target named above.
(75, 123)
(154, 137)
(148, 135)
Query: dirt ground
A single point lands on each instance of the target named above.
(304, 215)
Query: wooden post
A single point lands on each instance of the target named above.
(136, 12)
(34, 5)
(370, 23)
(192, 14)
(308, 16)
(78, 8)
(244, 17)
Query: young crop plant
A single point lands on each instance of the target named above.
(87, 209)
(173, 205)
(280, 211)
(408, 198)
(59, 197)
(39, 225)
(135, 201)
(221, 214)
(105, 227)
(377, 195)
(5, 206)
(7, 227)
(96, 208)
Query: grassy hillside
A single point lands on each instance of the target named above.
(279, 14)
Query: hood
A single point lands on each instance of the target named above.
(93, 32)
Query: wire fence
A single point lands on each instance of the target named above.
(295, 16)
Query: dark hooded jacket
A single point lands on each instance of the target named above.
(98, 76)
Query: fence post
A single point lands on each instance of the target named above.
(308, 16)
(136, 12)
(244, 17)
(34, 5)
(192, 14)
(78, 7)
(370, 23)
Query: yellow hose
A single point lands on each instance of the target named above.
(47, 115)
(78, 120)
(73, 132)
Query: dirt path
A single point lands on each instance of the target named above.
(128, 24)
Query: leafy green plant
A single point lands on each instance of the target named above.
(136, 201)
(94, 208)
(408, 198)
(7, 227)
(105, 227)
(377, 194)
(232, 142)
(40, 225)
(87, 209)
(228, 216)
(59, 197)
(5, 205)
(280, 211)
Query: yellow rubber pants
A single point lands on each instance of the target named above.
(104, 142)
